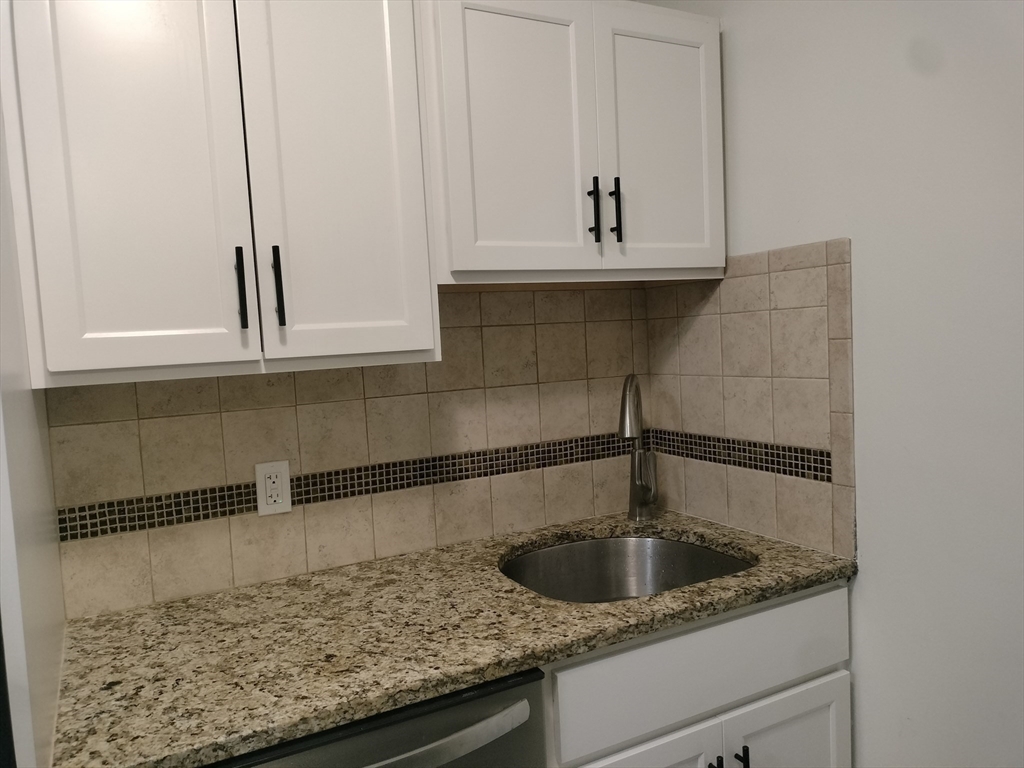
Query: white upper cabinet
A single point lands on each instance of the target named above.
(521, 130)
(333, 130)
(540, 97)
(135, 156)
(660, 127)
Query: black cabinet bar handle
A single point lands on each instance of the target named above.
(617, 229)
(744, 758)
(719, 763)
(279, 286)
(596, 229)
(243, 304)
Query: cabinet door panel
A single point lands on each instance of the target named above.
(521, 128)
(659, 116)
(332, 120)
(135, 150)
(694, 747)
(804, 727)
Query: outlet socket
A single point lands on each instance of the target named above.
(273, 488)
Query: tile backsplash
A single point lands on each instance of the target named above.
(747, 383)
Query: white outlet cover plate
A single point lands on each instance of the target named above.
(262, 504)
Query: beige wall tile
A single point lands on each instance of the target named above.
(838, 251)
(398, 428)
(513, 416)
(800, 410)
(332, 435)
(564, 410)
(698, 298)
(110, 573)
(706, 490)
(840, 373)
(751, 500)
(746, 344)
(268, 547)
(403, 521)
(510, 355)
(611, 485)
(701, 402)
(77, 451)
(700, 346)
(799, 288)
(89, 405)
(568, 492)
(661, 301)
(559, 306)
(663, 345)
(746, 264)
(463, 510)
(671, 482)
(797, 257)
(253, 437)
(561, 351)
(609, 348)
(458, 421)
(744, 294)
(177, 398)
(517, 501)
(748, 409)
(261, 390)
(605, 397)
(641, 356)
(506, 307)
(462, 361)
(328, 385)
(804, 510)
(844, 532)
(800, 343)
(190, 559)
(638, 303)
(840, 316)
(458, 308)
(390, 380)
(842, 449)
(664, 402)
(339, 532)
(609, 304)
(182, 452)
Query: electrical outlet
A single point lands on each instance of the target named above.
(273, 488)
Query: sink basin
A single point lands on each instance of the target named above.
(606, 570)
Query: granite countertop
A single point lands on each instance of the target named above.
(192, 681)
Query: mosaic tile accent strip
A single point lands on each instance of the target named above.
(808, 463)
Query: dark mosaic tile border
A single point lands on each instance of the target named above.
(158, 511)
(808, 463)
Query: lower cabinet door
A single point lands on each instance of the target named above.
(804, 727)
(693, 747)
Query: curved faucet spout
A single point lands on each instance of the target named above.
(643, 486)
(631, 410)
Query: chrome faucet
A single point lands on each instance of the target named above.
(643, 485)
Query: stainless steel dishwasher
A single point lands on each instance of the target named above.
(495, 724)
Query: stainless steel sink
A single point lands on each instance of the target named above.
(606, 570)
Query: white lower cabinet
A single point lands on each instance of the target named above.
(771, 681)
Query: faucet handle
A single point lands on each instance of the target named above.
(650, 477)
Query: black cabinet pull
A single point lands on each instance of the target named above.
(596, 229)
(744, 758)
(617, 229)
(279, 285)
(243, 304)
(719, 763)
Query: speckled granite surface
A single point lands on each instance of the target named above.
(192, 681)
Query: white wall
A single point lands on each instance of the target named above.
(31, 600)
(901, 124)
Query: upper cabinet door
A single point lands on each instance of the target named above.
(520, 121)
(332, 122)
(660, 123)
(134, 145)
